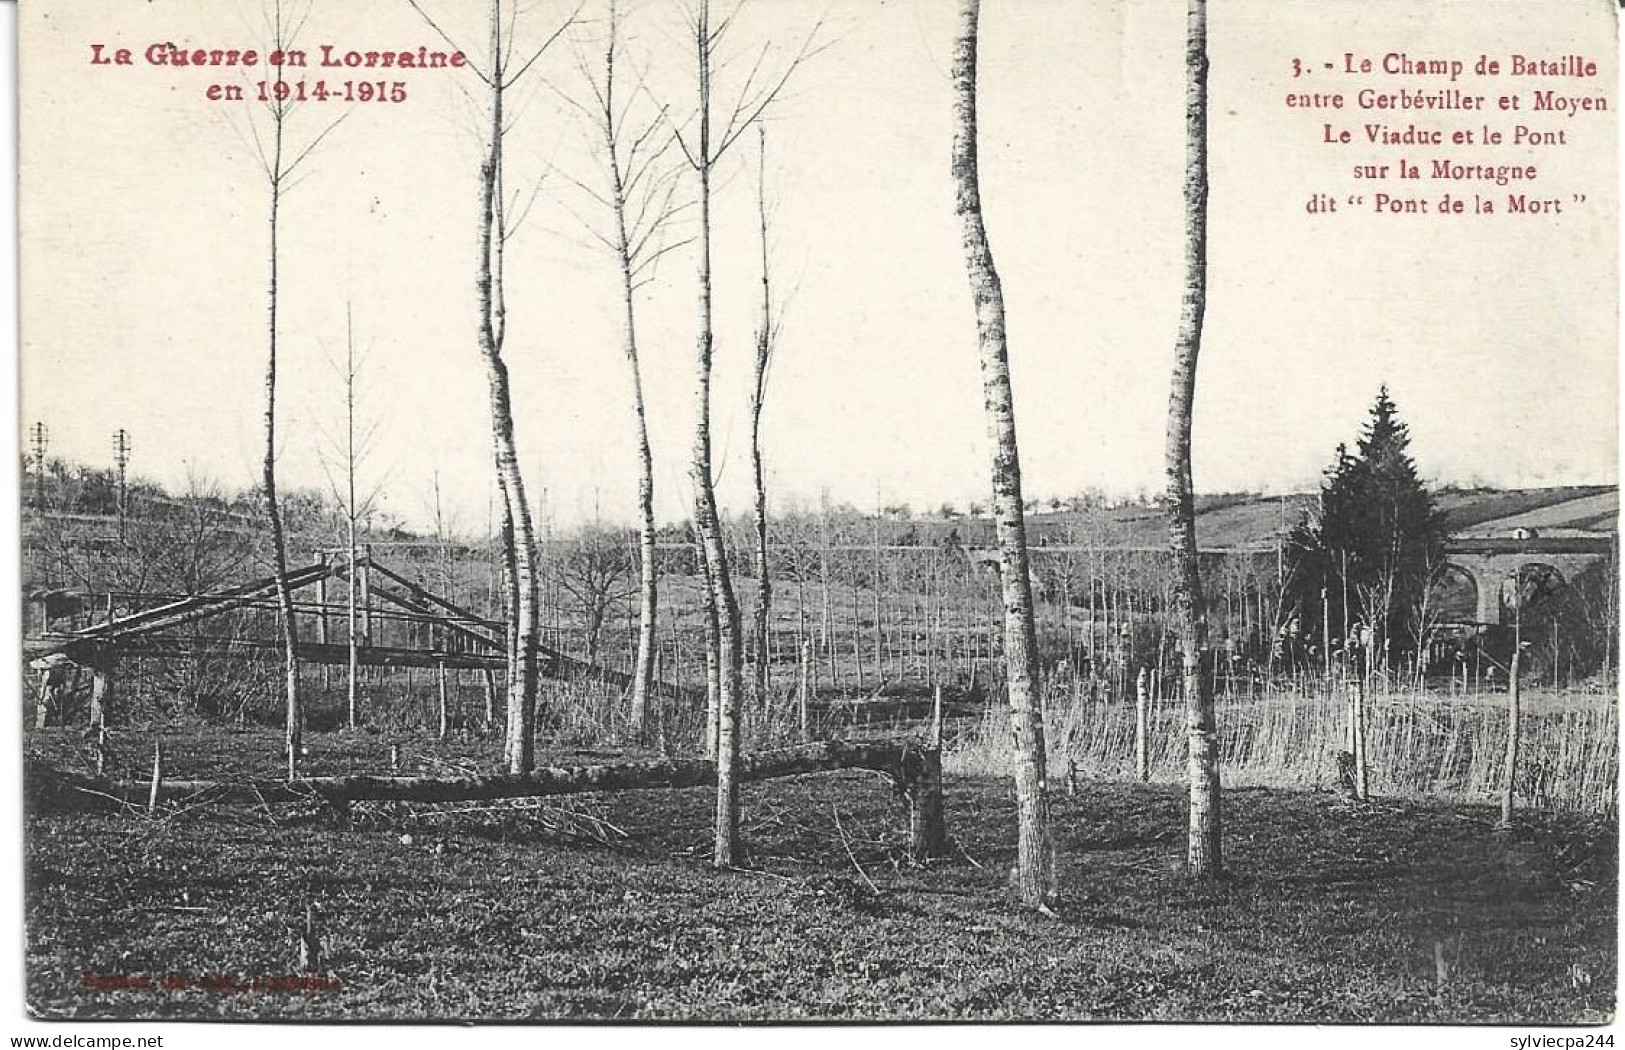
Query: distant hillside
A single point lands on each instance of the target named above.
(1576, 507)
(1249, 521)
(1230, 520)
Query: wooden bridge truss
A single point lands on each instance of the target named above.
(398, 624)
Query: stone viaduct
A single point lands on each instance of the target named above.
(1492, 562)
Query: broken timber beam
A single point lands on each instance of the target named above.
(435, 600)
(412, 605)
(202, 606)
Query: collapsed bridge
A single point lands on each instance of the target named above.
(430, 632)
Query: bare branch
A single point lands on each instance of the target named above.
(317, 141)
(677, 137)
(513, 37)
(449, 41)
(635, 170)
(258, 148)
(592, 231)
(758, 107)
(597, 197)
(510, 81)
(648, 262)
(722, 26)
(524, 212)
(641, 233)
(662, 188)
(744, 94)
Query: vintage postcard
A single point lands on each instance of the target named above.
(712, 511)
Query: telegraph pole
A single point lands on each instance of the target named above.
(121, 457)
(40, 435)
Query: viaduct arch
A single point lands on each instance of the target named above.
(1490, 561)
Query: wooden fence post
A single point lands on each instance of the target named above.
(1361, 774)
(445, 714)
(321, 600)
(803, 688)
(47, 691)
(101, 690)
(935, 737)
(321, 623)
(1142, 727)
(1509, 790)
(366, 596)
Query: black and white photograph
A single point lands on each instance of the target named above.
(857, 512)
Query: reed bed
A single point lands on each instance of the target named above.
(1418, 744)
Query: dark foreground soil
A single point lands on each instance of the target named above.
(1391, 911)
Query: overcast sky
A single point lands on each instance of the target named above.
(144, 246)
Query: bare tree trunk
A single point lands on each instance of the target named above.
(522, 674)
(764, 355)
(1514, 709)
(648, 579)
(1204, 857)
(713, 641)
(353, 637)
(804, 689)
(627, 252)
(350, 514)
(879, 638)
(702, 154)
(523, 670)
(722, 602)
(1034, 875)
(595, 629)
(279, 546)
(510, 592)
(857, 631)
(826, 617)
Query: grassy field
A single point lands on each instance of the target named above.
(1389, 911)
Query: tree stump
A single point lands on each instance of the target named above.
(1347, 786)
(922, 791)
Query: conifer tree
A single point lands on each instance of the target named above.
(1373, 543)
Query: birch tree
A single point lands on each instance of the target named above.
(712, 639)
(766, 337)
(1203, 856)
(704, 145)
(281, 161)
(499, 73)
(1034, 875)
(641, 200)
(351, 451)
(445, 528)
